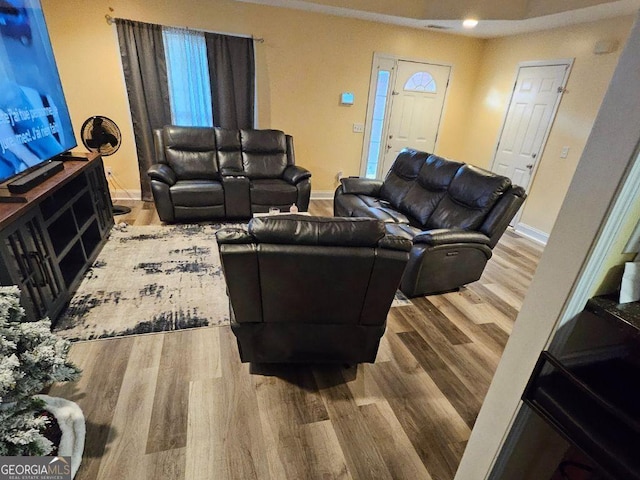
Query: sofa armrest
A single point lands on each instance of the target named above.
(294, 174)
(234, 236)
(163, 173)
(237, 196)
(395, 242)
(444, 236)
(362, 186)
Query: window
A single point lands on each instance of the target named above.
(188, 77)
(420, 82)
(377, 123)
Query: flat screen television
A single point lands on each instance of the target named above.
(34, 118)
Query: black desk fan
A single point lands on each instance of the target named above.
(101, 134)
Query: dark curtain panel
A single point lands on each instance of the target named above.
(232, 72)
(145, 73)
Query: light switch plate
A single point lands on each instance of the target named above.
(565, 152)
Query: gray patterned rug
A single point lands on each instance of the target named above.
(149, 279)
(152, 279)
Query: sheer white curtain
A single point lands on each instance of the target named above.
(188, 77)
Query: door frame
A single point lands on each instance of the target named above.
(568, 62)
(373, 83)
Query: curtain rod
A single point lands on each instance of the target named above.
(111, 20)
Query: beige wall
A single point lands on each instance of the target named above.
(305, 62)
(587, 84)
(613, 267)
(307, 59)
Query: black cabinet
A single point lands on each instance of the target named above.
(47, 245)
(29, 262)
(593, 398)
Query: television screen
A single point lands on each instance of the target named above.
(34, 119)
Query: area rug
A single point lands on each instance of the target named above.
(401, 300)
(149, 279)
(153, 279)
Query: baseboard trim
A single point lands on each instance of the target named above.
(126, 194)
(322, 194)
(531, 233)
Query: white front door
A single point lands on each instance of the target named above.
(529, 117)
(417, 100)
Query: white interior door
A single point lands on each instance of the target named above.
(529, 117)
(416, 103)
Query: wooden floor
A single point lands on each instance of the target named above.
(180, 405)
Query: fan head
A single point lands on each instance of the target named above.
(101, 134)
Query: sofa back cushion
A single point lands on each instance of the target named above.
(264, 153)
(191, 152)
(402, 175)
(328, 231)
(429, 188)
(471, 195)
(229, 150)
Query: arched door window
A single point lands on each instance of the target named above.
(420, 82)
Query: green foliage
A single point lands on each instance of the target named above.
(31, 358)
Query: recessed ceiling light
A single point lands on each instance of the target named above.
(470, 23)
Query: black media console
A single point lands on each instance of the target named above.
(48, 242)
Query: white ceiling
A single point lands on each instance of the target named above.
(497, 17)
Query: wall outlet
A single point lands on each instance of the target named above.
(108, 171)
(358, 128)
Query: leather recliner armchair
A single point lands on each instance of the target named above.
(310, 289)
(207, 173)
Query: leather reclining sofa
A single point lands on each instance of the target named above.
(453, 213)
(310, 289)
(206, 173)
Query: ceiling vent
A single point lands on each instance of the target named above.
(437, 27)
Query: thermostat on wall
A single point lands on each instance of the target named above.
(346, 98)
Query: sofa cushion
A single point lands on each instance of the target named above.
(197, 193)
(369, 207)
(191, 152)
(229, 151)
(429, 188)
(402, 175)
(271, 191)
(264, 153)
(380, 210)
(471, 194)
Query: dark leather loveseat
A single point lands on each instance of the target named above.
(453, 212)
(206, 173)
(310, 289)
